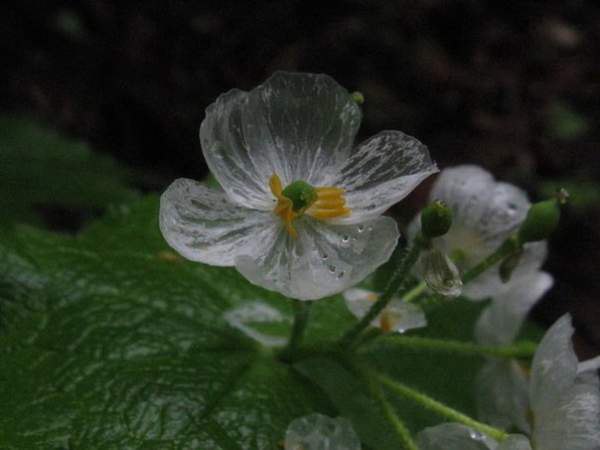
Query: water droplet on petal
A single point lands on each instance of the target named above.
(341, 274)
(332, 268)
(360, 228)
(345, 238)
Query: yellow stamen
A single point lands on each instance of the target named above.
(385, 322)
(330, 203)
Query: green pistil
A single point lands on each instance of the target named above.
(301, 194)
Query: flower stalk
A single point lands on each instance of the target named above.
(439, 408)
(510, 246)
(396, 283)
(520, 350)
(301, 314)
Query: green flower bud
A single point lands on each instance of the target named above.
(301, 194)
(541, 221)
(358, 97)
(436, 219)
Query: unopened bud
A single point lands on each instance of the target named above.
(358, 97)
(436, 219)
(440, 273)
(541, 221)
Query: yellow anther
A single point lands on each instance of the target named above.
(329, 203)
(385, 322)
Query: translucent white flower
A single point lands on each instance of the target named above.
(397, 316)
(300, 210)
(563, 396)
(248, 317)
(319, 432)
(485, 213)
(453, 436)
(502, 384)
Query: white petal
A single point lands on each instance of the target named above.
(554, 366)
(489, 284)
(397, 316)
(319, 432)
(515, 442)
(228, 154)
(203, 225)
(573, 422)
(500, 322)
(503, 395)
(380, 172)
(323, 260)
(249, 315)
(453, 436)
(300, 126)
(491, 209)
(588, 365)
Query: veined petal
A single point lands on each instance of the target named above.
(202, 224)
(380, 172)
(397, 316)
(574, 421)
(323, 260)
(228, 154)
(500, 322)
(300, 126)
(453, 436)
(554, 366)
(502, 395)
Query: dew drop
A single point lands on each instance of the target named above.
(324, 256)
(341, 275)
(332, 268)
(360, 228)
(345, 238)
(370, 228)
(476, 435)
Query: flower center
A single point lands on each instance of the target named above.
(300, 198)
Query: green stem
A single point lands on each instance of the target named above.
(440, 408)
(522, 350)
(414, 292)
(396, 282)
(509, 246)
(391, 416)
(301, 313)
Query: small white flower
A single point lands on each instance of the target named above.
(502, 385)
(453, 436)
(319, 432)
(485, 213)
(300, 210)
(251, 315)
(562, 409)
(398, 316)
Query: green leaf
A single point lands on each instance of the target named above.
(110, 341)
(41, 171)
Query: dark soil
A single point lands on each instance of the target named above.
(492, 83)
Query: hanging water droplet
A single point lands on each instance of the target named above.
(332, 268)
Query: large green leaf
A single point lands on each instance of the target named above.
(41, 171)
(109, 341)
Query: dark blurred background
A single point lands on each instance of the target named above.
(512, 86)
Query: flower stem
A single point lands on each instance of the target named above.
(301, 313)
(396, 282)
(414, 292)
(524, 349)
(509, 246)
(388, 411)
(440, 408)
